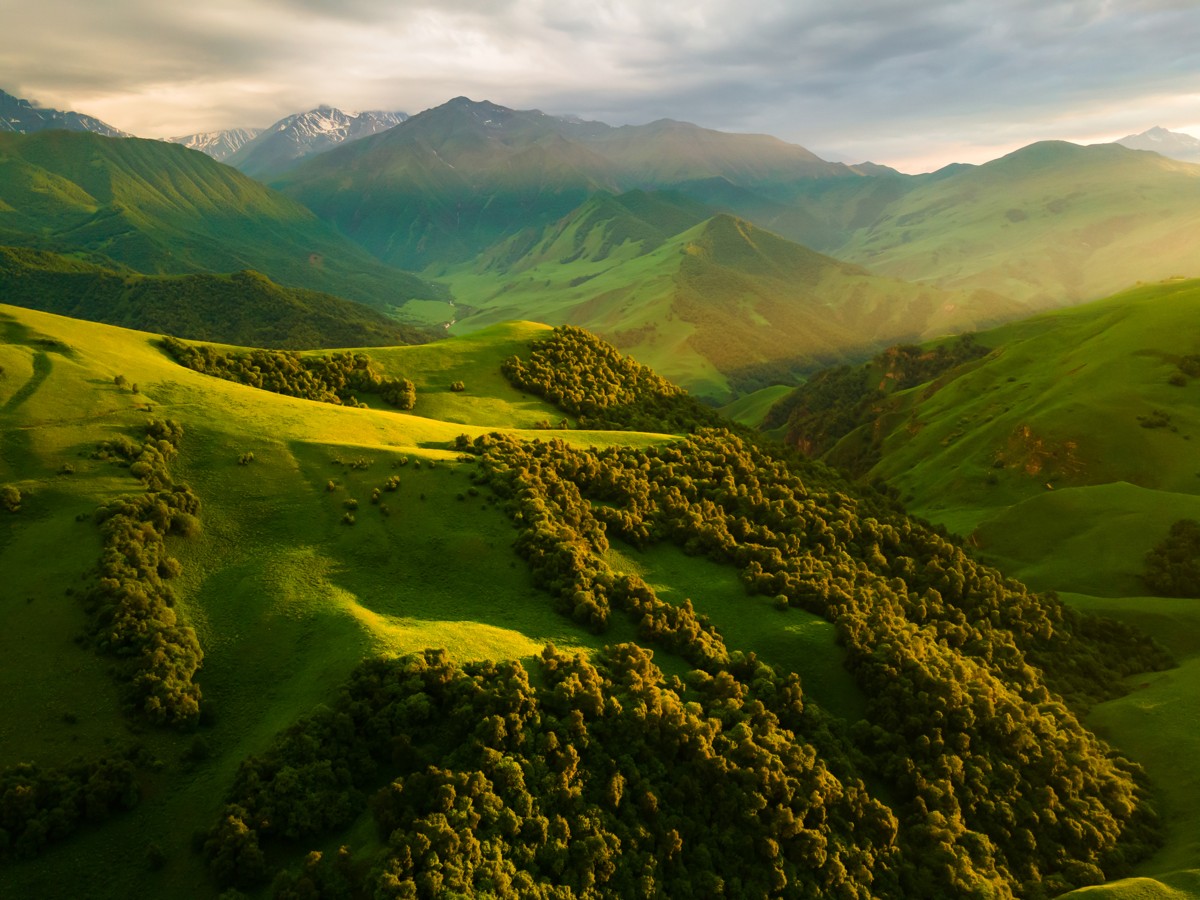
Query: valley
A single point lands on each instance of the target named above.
(389, 573)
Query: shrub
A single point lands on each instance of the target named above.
(457, 386)
(1172, 568)
(10, 498)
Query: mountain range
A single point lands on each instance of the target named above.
(274, 150)
(675, 664)
(160, 208)
(520, 213)
(22, 117)
(220, 145)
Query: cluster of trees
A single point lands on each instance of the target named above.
(1172, 567)
(39, 807)
(588, 779)
(606, 778)
(835, 401)
(563, 540)
(336, 379)
(593, 381)
(1001, 787)
(131, 604)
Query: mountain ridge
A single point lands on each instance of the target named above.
(293, 139)
(220, 145)
(164, 209)
(23, 117)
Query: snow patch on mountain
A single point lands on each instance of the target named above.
(220, 145)
(305, 134)
(24, 117)
(1172, 144)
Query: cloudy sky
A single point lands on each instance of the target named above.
(912, 84)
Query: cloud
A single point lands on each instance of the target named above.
(882, 79)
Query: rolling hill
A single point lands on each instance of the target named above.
(1064, 455)
(721, 307)
(1051, 224)
(241, 308)
(326, 543)
(160, 208)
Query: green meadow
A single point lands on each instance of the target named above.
(1039, 457)
(285, 596)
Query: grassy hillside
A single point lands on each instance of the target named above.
(161, 208)
(284, 597)
(722, 307)
(329, 534)
(1050, 224)
(1063, 456)
(242, 308)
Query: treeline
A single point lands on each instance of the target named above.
(607, 779)
(240, 308)
(1001, 787)
(39, 807)
(131, 604)
(580, 779)
(836, 401)
(335, 379)
(1172, 567)
(593, 381)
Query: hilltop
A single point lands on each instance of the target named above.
(277, 542)
(722, 307)
(1060, 448)
(160, 208)
(240, 308)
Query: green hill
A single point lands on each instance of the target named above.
(1051, 224)
(721, 308)
(1069, 399)
(794, 670)
(242, 308)
(160, 208)
(1063, 456)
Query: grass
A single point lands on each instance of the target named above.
(711, 303)
(792, 640)
(751, 409)
(1049, 224)
(1081, 492)
(286, 598)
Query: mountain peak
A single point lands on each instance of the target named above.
(25, 117)
(1172, 144)
(301, 135)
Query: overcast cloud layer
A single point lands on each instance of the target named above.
(913, 85)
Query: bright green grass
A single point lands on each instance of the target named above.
(1100, 535)
(1058, 404)
(621, 294)
(286, 599)
(1157, 723)
(1182, 885)
(791, 639)
(1082, 494)
(753, 408)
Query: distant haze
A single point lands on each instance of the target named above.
(914, 86)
